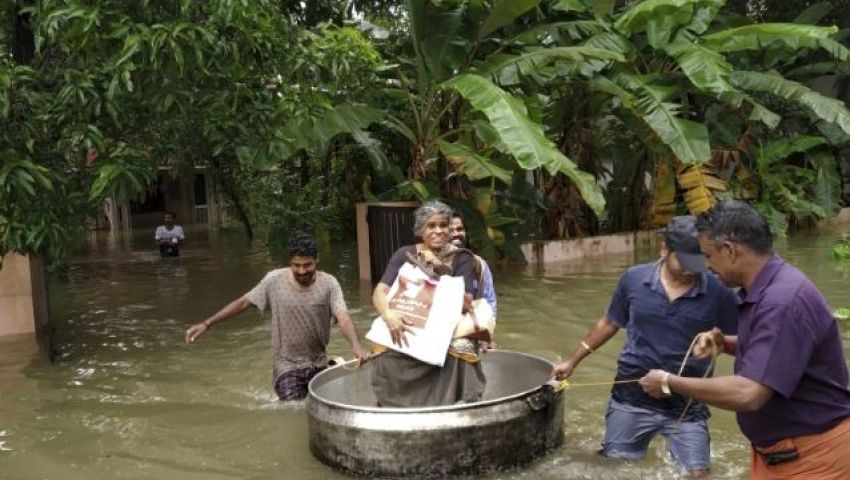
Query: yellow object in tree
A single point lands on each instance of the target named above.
(699, 184)
(663, 195)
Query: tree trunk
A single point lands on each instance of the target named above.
(223, 176)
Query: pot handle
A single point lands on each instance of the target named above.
(544, 396)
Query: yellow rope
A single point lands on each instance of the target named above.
(355, 364)
(565, 384)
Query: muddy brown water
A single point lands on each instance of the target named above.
(128, 399)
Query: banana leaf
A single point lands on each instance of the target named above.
(793, 36)
(523, 138)
(827, 109)
(473, 165)
(663, 205)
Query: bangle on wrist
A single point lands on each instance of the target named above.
(207, 325)
(586, 346)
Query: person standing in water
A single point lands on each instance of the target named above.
(483, 285)
(789, 386)
(168, 237)
(662, 305)
(303, 302)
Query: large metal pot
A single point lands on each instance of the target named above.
(520, 418)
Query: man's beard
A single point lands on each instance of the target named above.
(305, 279)
(458, 242)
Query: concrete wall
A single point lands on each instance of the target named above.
(843, 216)
(17, 309)
(551, 251)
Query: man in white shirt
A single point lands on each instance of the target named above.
(169, 236)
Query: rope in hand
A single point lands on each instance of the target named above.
(715, 352)
(356, 363)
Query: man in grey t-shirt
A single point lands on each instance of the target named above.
(303, 302)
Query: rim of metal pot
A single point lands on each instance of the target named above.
(442, 408)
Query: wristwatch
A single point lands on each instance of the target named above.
(665, 387)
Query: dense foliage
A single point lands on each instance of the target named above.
(536, 118)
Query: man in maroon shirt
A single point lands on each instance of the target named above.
(790, 383)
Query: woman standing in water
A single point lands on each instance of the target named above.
(403, 381)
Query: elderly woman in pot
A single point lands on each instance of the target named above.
(403, 381)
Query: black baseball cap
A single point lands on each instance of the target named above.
(681, 236)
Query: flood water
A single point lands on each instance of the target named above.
(127, 399)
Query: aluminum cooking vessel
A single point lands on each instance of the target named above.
(520, 419)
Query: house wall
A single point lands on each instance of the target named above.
(17, 311)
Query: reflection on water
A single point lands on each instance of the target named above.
(128, 399)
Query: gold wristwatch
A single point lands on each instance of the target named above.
(665, 386)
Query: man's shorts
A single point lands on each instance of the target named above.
(292, 385)
(629, 429)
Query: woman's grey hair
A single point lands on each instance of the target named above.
(428, 210)
(736, 221)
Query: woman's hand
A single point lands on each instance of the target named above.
(467, 303)
(397, 324)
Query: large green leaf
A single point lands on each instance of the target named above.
(688, 140)
(768, 154)
(660, 18)
(569, 5)
(380, 163)
(523, 138)
(709, 71)
(828, 183)
(794, 37)
(552, 32)
(509, 69)
(474, 166)
(435, 35)
(314, 131)
(825, 108)
(705, 68)
(503, 13)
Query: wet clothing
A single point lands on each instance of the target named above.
(399, 380)
(629, 429)
(301, 318)
(822, 456)
(483, 285)
(403, 381)
(659, 332)
(461, 266)
(165, 238)
(292, 385)
(789, 341)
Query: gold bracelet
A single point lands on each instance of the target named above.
(586, 346)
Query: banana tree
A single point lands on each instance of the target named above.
(467, 136)
(676, 63)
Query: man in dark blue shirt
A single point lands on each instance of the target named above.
(662, 305)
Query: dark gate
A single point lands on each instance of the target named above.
(390, 227)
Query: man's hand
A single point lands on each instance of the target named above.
(360, 354)
(195, 331)
(651, 383)
(563, 370)
(397, 325)
(709, 344)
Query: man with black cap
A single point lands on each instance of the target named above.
(663, 305)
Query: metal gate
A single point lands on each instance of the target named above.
(390, 227)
